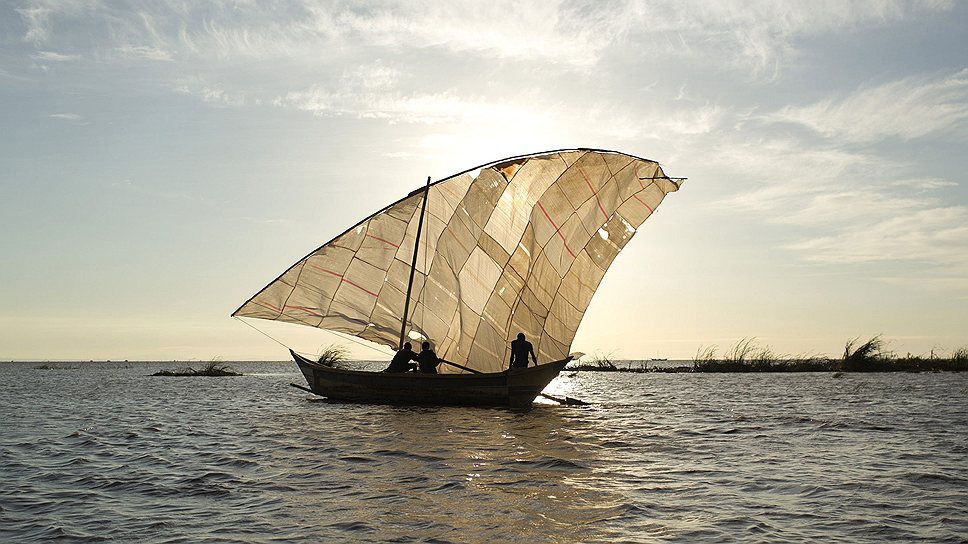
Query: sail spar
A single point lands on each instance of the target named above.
(518, 245)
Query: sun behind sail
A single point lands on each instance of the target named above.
(519, 245)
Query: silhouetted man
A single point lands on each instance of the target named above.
(520, 349)
(427, 359)
(401, 360)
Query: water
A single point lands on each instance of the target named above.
(105, 452)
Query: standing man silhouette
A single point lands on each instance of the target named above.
(520, 349)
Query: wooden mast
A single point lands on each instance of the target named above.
(413, 266)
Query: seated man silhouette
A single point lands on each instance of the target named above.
(520, 349)
(401, 360)
(427, 359)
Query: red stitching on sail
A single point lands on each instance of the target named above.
(268, 305)
(344, 280)
(557, 229)
(361, 288)
(305, 309)
(594, 193)
(384, 240)
(636, 197)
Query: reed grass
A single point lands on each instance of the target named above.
(871, 355)
(866, 357)
(333, 357)
(212, 368)
(746, 355)
(809, 362)
(960, 356)
(601, 363)
(705, 355)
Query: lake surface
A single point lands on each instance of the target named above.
(104, 452)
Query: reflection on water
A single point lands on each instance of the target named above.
(92, 453)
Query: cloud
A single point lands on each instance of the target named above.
(53, 56)
(40, 17)
(759, 37)
(844, 207)
(933, 235)
(37, 21)
(906, 109)
(397, 106)
(924, 184)
(559, 32)
(209, 93)
(66, 116)
(577, 35)
(375, 91)
(129, 51)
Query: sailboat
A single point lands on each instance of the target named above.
(518, 245)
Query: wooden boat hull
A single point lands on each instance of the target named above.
(516, 388)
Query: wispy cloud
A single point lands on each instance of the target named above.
(558, 34)
(66, 116)
(930, 235)
(129, 51)
(843, 206)
(39, 17)
(37, 21)
(209, 93)
(908, 108)
(445, 106)
(375, 91)
(53, 56)
(227, 55)
(759, 37)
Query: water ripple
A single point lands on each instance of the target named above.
(118, 455)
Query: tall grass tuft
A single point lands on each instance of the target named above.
(214, 367)
(960, 355)
(604, 362)
(959, 359)
(867, 357)
(746, 355)
(705, 358)
(333, 357)
(598, 362)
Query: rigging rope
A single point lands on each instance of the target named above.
(355, 341)
(257, 329)
(347, 337)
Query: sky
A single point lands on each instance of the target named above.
(160, 162)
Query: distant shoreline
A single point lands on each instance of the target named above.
(621, 366)
(745, 356)
(832, 366)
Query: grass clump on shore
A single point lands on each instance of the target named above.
(744, 356)
(747, 355)
(600, 363)
(960, 357)
(213, 368)
(869, 356)
(872, 356)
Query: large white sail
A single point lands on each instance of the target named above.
(519, 245)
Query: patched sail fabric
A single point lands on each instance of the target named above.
(519, 245)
